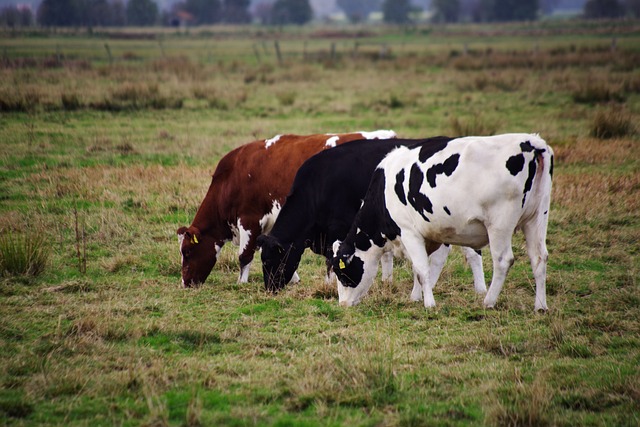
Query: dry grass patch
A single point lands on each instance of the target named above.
(597, 195)
(594, 151)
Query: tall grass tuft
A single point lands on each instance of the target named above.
(23, 255)
(475, 126)
(611, 123)
(598, 91)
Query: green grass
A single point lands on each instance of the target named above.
(122, 344)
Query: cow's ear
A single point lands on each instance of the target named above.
(195, 235)
(262, 241)
(181, 231)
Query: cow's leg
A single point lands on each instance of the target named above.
(436, 263)
(387, 266)
(535, 233)
(416, 292)
(295, 278)
(474, 259)
(247, 247)
(415, 248)
(502, 255)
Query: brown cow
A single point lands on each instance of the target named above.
(247, 190)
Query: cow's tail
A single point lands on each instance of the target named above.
(541, 191)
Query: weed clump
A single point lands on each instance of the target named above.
(23, 255)
(475, 126)
(593, 92)
(611, 123)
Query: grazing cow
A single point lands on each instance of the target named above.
(469, 191)
(326, 194)
(247, 189)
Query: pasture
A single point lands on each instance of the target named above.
(107, 145)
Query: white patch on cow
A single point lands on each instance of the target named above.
(269, 219)
(379, 134)
(331, 142)
(269, 142)
(349, 296)
(244, 236)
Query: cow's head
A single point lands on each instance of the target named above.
(199, 253)
(355, 269)
(279, 263)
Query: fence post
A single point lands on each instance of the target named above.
(277, 46)
(161, 47)
(108, 49)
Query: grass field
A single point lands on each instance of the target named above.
(107, 143)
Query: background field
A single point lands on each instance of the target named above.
(107, 143)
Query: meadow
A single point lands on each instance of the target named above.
(107, 144)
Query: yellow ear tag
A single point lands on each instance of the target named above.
(194, 240)
(341, 264)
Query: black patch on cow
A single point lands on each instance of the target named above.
(446, 209)
(399, 187)
(447, 168)
(551, 168)
(373, 218)
(515, 164)
(351, 275)
(431, 146)
(419, 201)
(479, 252)
(529, 183)
(362, 241)
(526, 147)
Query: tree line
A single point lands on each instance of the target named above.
(280, 12)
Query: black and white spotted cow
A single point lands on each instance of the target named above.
(325, 197)
(469, 191)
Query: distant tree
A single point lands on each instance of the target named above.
(96, 12)
(446, 10)
(236, 11)
(358, 10)
(9, 16)
(16, 16)
(204, 11)
(396, 11)
(508, 10)
(598, 9)
(633, 7)
(142, 12)
(118, 13)
(291, 12)
(63, 13)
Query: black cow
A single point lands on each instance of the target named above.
(327, 193)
